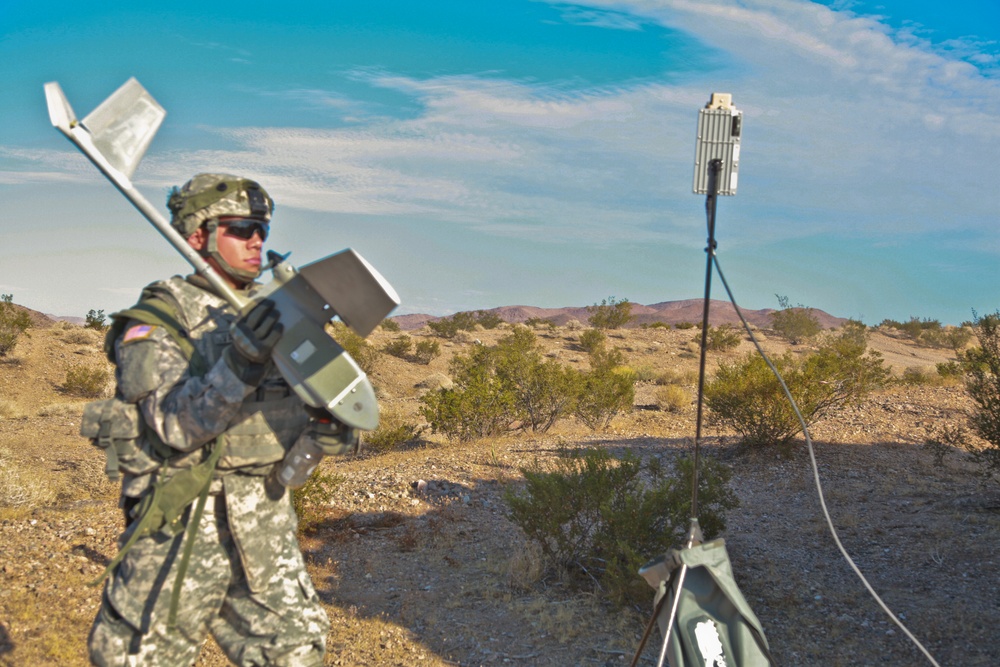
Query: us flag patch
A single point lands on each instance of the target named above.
(138, 332)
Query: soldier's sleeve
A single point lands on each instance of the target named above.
(186, 412)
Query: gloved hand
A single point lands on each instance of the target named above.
(254, 336)
(331, 435)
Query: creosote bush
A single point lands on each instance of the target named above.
(426, 351)
(88, 381)
(794, 324)
(390, 325)
(399, 347)
(512, 386)
(982, 381)
(611, 313)
(601, 518)
(448, 327)
(607, 390)
(392, 433)
(500, 388)
(721, 338)
(592, 339)
(746, 396)
(96, 320)
(13, 323)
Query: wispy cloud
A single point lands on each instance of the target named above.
(849, 127)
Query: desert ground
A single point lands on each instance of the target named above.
(443, 577)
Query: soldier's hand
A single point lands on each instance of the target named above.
(256, 334)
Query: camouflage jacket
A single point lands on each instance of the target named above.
(187, 411)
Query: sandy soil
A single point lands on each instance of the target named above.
(444, 578)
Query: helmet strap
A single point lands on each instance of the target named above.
(211, 249)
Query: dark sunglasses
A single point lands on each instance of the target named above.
(245, 228)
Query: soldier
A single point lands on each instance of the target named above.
(210, 542)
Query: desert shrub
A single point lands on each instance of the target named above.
(20, 487)
(982, 381)
(312, 500)
(364, 353)
(479, 404)
(746, 396)
(390, 325)
(502, 387)
(13, 323)
(591, 339)
(943, 440)
(721, 338)
(611, 313)
(794, 324)
(540, 322)
(608, 389)
(82, 336)
(957, 338)
(914, 375)
(931, 333)
(96, 320)
(488, 320)
(544, 390)
(672, 398)
(686, 325)
(426, 351)
(448, 327)
(646, 373)
(603, 517)
(656, 325)
(87, 381)
(399, 347)
(674, 376)
(949, 371)
(392, 433)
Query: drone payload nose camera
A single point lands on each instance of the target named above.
(719, 127)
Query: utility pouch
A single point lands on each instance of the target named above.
(116, 427)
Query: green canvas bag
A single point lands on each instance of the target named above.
(714, 625)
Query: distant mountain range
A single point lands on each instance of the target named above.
(668, 312)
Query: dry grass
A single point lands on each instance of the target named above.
(672, 398)
(22, 487)
(10, 410)
(61, 410)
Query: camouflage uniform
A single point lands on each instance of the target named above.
(246, 582)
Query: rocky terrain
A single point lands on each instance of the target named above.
(436, 574)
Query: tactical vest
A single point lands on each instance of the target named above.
(268, 422)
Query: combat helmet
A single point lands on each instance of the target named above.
(207, 197)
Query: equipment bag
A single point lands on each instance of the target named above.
(714, 626)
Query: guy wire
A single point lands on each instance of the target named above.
(815, 468)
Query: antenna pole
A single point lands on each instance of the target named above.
(714, 168)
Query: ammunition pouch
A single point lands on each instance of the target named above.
(117, 427)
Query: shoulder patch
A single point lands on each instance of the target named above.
(138, 332)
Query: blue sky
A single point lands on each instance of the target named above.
(528, 152)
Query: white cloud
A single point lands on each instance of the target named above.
(848, 127)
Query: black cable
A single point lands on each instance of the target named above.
(815, 469)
